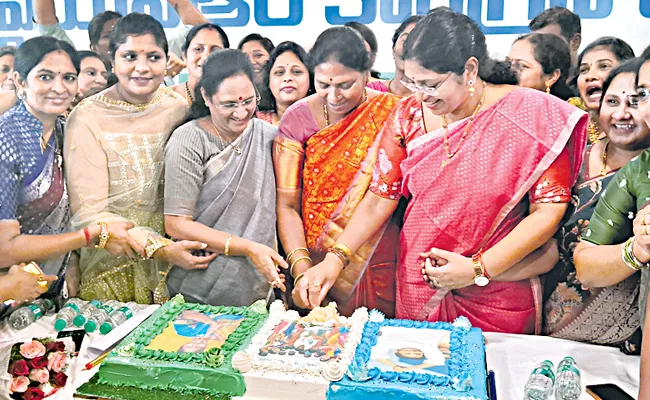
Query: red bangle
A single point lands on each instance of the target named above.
(87, 235)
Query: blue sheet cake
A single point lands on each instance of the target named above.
(401, 359)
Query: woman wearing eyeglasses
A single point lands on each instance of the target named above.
(220, 189)
(487, 168)
(324, 157)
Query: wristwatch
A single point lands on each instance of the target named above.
(481, 278)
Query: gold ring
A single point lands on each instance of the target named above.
(276, 283)
(435, 281)
(317, 283)
(42, 281)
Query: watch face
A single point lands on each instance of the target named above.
(481, 281)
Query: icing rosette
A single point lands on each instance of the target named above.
(242, 362)
(376, 316)
(333, 371)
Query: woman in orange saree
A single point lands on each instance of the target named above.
(324, 157)
(487, 169)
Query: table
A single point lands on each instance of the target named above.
(512, 357)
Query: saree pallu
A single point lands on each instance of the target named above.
(336, 174)
(459, 208)
(238, 197)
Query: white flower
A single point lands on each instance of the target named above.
(384, 163)
(630, 215)
(610, 222)
(383, 188)
(624, 182)
(588, 234)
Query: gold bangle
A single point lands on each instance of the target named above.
(103, 235)
(297, 278)
(293, 264)
(340, 256)
(345, 252)
(294, 251)
(226, 248)
(154, 245)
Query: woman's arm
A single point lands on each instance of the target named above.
(370, 215)
(539, 262)
(600, 266)
(263, 257)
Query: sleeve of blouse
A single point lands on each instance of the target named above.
(183, 171)
(9, 181)
(611, 222)
(554, 186)
(387, 176)
(289, 146)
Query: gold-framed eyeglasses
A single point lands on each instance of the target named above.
(428, 90)
(233, 105)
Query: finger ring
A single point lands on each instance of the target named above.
(435, 281)
(317, 283)
(276, 283)
(42, 281)
(644, 230)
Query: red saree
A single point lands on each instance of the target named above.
(333, 166)
(459, 208)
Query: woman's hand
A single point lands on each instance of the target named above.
(267, 260)
(180, 254)
(641, 228)
(120, 242)
(446, 270)
(24, 286)
(316, 282)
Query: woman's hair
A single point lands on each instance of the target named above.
(413, 19)
(369, 36)
(552, 53)
(628, 66)
(328, 48)
(219, 66)
(137, 24)
(256, 37)
(96, 25)
(198, 28)
(443, 42)
(32, 52)
(83, 54)
(282, 48)
(621, 50)
(7, 50)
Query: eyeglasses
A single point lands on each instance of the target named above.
(232, 106)
(428, 90)
(643, 95)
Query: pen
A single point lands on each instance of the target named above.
(492, 384)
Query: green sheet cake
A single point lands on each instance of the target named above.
(182, 350)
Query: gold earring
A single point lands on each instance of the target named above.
(471, 89)
(548, 87)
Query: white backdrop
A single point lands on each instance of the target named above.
(303, 20)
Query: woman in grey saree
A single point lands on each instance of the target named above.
(220, 189)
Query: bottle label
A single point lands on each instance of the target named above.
(106, 308)
(544, 370)
(38, 313)
(73, 307)
(126, 311)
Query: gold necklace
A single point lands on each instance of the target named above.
(594, 132)
(603, 170)
(188, 93)
(326, 113)
(445, 128)
(224, 143)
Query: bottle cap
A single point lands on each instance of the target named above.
(90, 326)
(79, 320)
(60, 325)
(105, 328)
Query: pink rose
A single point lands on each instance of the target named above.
(40, 375)
(32, 350)
(57, 361)
(19, 384)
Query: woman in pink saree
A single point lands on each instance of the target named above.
(487, 169)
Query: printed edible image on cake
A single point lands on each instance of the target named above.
(195, 332)
(411, 350)
(300, 340)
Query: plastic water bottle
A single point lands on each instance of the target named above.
(27, 315)
(65, 316)
(568, 380)
(86, 311)
(100, 315)
(117, 318)
(541, 381)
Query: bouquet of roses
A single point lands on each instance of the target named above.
(38, 368)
